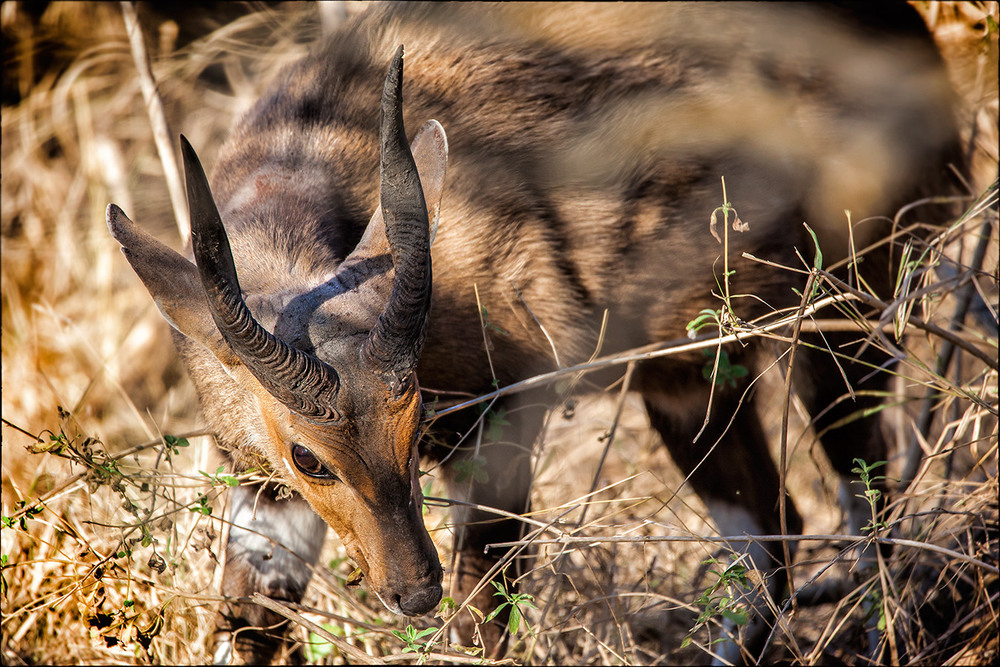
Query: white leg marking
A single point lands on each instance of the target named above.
(223, 650)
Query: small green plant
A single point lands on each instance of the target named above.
(872, 496)
(202, 506)
(22, 521)
(489, 325)
(726, 373)
(721, 598)
(174, 443)
(738, 226)
(495, 421)
(317, 647)
(219, 479)
(516, 613)
(872, 606)
(706, 317)
(447, 607)
(415, 642)
(3, 577)
(473, 468)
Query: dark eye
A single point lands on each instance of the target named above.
(309, 464)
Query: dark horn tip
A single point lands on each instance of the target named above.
(121, 228)
(393, 90)
(189, 155)
(111, 214)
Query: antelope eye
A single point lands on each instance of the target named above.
(309, 464)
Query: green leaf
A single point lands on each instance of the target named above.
(818, 260)
(474, 468)
(514, 620)
(706, 316)
(738, 617)
(495, 612)
(495, 423)
(317, 648)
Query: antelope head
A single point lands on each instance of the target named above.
(336, 414)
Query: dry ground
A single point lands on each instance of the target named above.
(107, 562)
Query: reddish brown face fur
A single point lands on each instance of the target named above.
(373, 501)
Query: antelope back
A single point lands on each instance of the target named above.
(585, 149)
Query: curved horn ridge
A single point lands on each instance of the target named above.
(299, 380)
(394, 345)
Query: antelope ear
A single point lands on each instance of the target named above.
(430, 153)
(172, 281)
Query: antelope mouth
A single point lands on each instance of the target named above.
(415, 600)
(421, 602)
(416, 603)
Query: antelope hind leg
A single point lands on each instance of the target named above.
(855, 438)
(738, 481)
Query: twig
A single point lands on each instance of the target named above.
(66, 484)
(552, 344)
(652, 351)
(929, 327)
(783, 451)
(626, 385)
(291, 615)
(963, 298)
(625, 539)
(987, 606)
(158, 122)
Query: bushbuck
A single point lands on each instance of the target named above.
(585, 151)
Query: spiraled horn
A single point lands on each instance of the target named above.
(394, 345)
(302, 382)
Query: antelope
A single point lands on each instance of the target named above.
(584, 151)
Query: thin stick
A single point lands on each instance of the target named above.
(344, 647)
(652, 351)
(158, 122)
(963, 297)
(626, 384)
(783, 452)
(929, 327)
(648, 539)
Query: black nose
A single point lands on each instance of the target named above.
(422, 601)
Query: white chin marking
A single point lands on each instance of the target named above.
(394, 608)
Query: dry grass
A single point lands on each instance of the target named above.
(106, 563)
